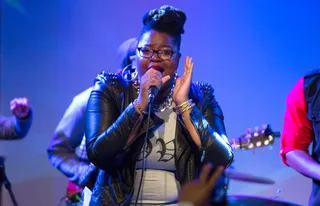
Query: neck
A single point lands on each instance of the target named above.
(163, 93)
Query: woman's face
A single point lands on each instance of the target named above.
(157, 50)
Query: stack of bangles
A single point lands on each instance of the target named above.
(185, 106)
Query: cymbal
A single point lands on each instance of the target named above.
(248, 200)
(235, 175)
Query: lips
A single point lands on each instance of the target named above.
(158, 68)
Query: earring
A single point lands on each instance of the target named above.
(129, 73)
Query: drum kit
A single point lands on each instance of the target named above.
(247, 200)
(249, 141)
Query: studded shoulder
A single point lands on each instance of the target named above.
(205, 87)
(108, 77)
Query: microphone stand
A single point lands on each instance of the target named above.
(5, 181)
(1, 184)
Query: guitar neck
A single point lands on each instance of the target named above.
(277, 134)
(261, 138)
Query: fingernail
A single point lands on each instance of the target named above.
(168, 77)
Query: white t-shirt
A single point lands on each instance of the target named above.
(159, 184)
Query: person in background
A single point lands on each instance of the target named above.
(301, 128)
(66, 150)
(18, 125)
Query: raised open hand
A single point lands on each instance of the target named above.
(181, 90)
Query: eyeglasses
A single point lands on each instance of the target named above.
(163, 54)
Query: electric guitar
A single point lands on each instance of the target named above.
(258, 138)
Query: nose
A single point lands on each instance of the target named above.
(155, 56)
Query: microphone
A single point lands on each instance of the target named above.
(153, 89)
(152, 94)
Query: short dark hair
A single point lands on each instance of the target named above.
(166, 19)
(125, 50)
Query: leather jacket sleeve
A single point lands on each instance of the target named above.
(12, 128)
(108, 132)
(67, 137)
(208, 119)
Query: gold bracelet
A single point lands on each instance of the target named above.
(182, 108)
(136, 103)
(185, 106)
(182, 105)
(180, 112)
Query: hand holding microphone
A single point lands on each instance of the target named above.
(150, 84)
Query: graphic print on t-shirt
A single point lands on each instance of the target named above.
(165, 150)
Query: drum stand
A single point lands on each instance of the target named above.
(221, 198)
(4, 181)
(225, 194)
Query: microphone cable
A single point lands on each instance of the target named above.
(144, 150)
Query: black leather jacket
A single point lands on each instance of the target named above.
(115, 135)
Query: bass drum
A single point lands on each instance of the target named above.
(246, 200)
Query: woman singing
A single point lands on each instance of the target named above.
(185, 128)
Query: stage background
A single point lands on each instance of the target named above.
(252, 52)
